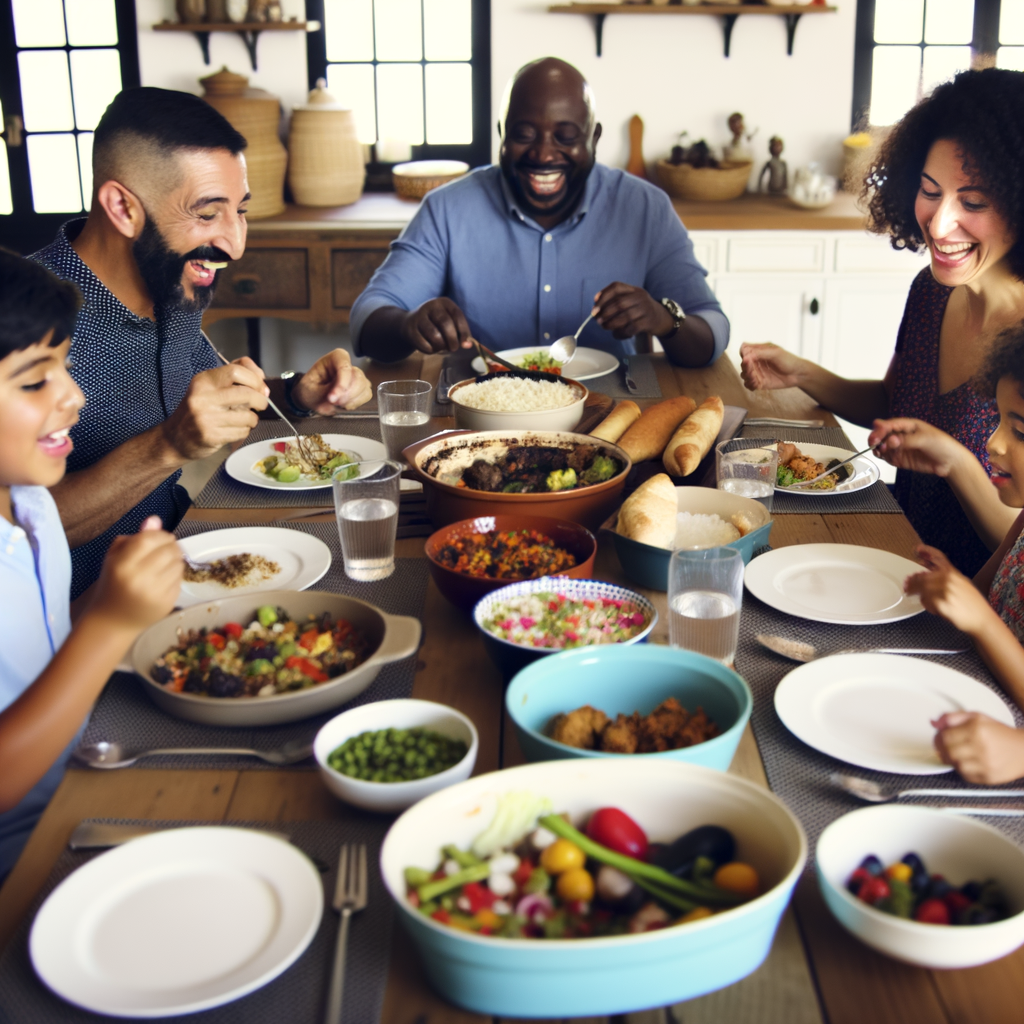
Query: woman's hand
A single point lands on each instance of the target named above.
(946, 591)
(981, 749)
(767, 367)
(913, 444)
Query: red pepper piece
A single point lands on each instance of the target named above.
(280, 446)
(478, 895)
(932, 911)
(442, 916)
(522, 873)
(216, 641)
(232, 629)
(308, 639)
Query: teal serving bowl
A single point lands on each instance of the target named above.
(556, 978)
(648, 565)
(626, 679)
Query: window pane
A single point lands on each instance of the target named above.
(400, 102)
(352, 86)
(53, 168)
(45, 91)
(895, 76)
(6, 205)
(949, 21)
(85, 166)
(399, 34)
(39, 22)
(941, 63)
(96, 79)
(1011, 57)
(898, 21)
(91, 22)
(447, 31)
(1011, 22)
(348, 25)
(449, 104)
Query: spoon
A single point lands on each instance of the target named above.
(796, 650)
(112, 755)
(565, 348)
(872, 793)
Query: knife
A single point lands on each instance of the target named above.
(102, 835)
(629, 382)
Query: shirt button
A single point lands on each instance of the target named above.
(547, 287)
(547, 238)
(546, 335)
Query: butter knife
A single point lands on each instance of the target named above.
(627, 379)
(102, 835)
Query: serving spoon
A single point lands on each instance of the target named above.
(797, 650)
(112, 755)
(565, 348)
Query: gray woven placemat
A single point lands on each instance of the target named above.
(799, 774)
(224, 492)
(298, 996)
(641, 369)
(125, 713)
(876, 498)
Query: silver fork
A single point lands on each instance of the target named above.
(350, 894)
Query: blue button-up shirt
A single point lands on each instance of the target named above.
(134, 372)
(35, 568)
(521, 285)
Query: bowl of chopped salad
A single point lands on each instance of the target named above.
(235, 663)
(591, 888)
(474, 557)
(526, 621)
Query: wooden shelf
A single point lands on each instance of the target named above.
(727, 12)
(248, 30)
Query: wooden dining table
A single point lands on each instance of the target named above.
(815, 972)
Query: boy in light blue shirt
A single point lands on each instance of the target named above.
(51, 672)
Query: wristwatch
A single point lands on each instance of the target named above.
(291, 378)
(677, 314)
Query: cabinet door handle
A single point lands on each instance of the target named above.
(814, 307)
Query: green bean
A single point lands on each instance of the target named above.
(430, 891)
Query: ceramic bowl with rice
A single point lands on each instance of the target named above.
(514, 401)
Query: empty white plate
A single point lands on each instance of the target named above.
(303, 559)
(841, 583)
(177, 921)
(241, 464)
(865, 470)
(875, 710)
(586, 363)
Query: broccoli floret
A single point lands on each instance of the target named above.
(784, 476)
(561, 479)
(602, 468)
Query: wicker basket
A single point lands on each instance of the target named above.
(705, 184)
(415, 179)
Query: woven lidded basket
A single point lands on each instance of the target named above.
(415, 179)
(705, 184)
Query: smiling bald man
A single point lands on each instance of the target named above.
(520, 254)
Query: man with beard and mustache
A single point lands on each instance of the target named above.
(168, 211)
(520, 254)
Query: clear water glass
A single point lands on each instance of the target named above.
(705, 597)
(748, 467)
(367, 510)
(404, 410)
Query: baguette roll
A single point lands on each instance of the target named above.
(648, 515)
(694, 438)
(646, 439)
(617, 422)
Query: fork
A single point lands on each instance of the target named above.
(195, 566)
(350, 894)
(830, 470)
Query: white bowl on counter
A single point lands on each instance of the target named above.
(565, 417)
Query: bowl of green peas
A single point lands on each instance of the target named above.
(388, 755)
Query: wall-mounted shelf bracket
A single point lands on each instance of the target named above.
(248, 31)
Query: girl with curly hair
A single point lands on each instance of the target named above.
(947, 179)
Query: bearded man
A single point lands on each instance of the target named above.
(168, 211)
(519, 255)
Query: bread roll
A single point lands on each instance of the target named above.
(693, 440)
(647, 438)
(617, 422)
(649, 513)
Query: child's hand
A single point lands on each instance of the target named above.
(913, 444)
(945, 591)
(140, 579)
(980, 748)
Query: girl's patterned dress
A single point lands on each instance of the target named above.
(927, 500)
(1006, 595)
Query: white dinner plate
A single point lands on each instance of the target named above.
(585, 364)
(303, 560)
(841, 583)
(875, 710)
(177, 921)
(241, 465)
(865, 470)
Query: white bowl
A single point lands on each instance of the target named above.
(564, 418)
(956, 846)
(394, 714)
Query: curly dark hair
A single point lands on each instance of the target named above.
(983, 112)
(1005, 359)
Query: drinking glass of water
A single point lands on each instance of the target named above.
(367, 511)
(705, 594)
(748, 466)
(404, 409)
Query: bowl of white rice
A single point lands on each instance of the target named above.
(512, 401)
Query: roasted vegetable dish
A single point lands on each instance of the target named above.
(537, 469)
(668, 727)
(272, 654)
(506, 555)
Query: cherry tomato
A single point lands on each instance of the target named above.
(874, 889)
(618, 831)
(738, 877)
(216, 641)
(232, 629)
(280, 446)
(932, 911)
(575, 884)
(561, 856)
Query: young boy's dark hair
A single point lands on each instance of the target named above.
(32, 302)
(1005, 359)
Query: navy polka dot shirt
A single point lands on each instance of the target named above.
(134, 372)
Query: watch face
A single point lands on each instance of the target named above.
(674, 308)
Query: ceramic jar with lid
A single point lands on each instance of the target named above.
(325, 166)
(256, 114)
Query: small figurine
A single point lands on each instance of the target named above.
(738, 148)
(778, 175)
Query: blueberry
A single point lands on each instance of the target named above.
(938, 887)
(914, 863)
(919, 882)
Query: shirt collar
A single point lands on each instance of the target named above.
(577, 215)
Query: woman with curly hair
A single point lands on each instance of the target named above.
(946, 179)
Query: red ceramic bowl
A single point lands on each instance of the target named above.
(464, 591)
